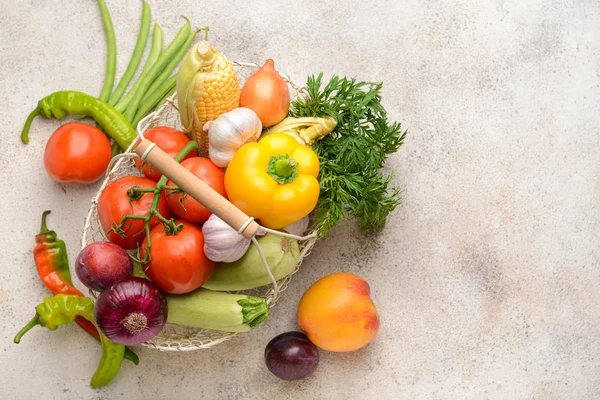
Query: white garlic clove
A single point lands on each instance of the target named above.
(236, 252)
(231, 131)
(298, 228)
(219, 157)
(222, 243)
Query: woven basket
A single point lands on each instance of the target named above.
(175, 337)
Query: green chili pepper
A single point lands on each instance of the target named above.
(52, 263)
(63, 103)
(62, 309)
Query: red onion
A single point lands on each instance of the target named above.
(131, 311)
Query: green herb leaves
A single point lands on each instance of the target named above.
(354, 153)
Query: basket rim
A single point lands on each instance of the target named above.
(118, 163)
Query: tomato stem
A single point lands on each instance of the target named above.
(163, 219)
(144, 217)
(136, 193)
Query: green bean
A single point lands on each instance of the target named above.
(116, 149)
(166, 72)
(151, 102)
(157, 42)
(111, 54)
(162, 101)
(138, 52)
(163, 58)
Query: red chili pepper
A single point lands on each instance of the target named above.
(52, 263)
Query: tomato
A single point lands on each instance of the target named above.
(177, 262)
(169, 140)
(185, 206)
(77, 153)
(114, 204)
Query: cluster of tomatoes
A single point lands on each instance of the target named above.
(79, 152)
(176, 262)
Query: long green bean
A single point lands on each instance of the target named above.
(111, 48)
(138, 52)
(153, 100)
(116, 149)
(166, 72)
(163, 58)
(157, 43)
(162, 101)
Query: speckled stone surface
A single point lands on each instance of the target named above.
(486, 278)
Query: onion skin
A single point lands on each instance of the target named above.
(131, 311)
(267, 94)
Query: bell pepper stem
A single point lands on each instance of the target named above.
(34, 322)
(282, 168)
(30, 118)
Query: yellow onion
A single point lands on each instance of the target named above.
(267, 94)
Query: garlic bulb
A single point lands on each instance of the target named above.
(221, 242)
(298, 228)
(229, 132)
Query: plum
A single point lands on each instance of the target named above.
(100, 264)
(291, 356)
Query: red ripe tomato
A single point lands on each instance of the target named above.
(114, 204)
(177, 262)
(185, 206)
(169, 140)
(77, 153)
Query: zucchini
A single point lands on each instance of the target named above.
(220, 311)
(282, 255)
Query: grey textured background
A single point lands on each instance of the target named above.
(486, 278)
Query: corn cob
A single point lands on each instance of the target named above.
(207, 86)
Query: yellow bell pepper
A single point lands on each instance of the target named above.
(274, 180)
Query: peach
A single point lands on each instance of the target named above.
(337, 313)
